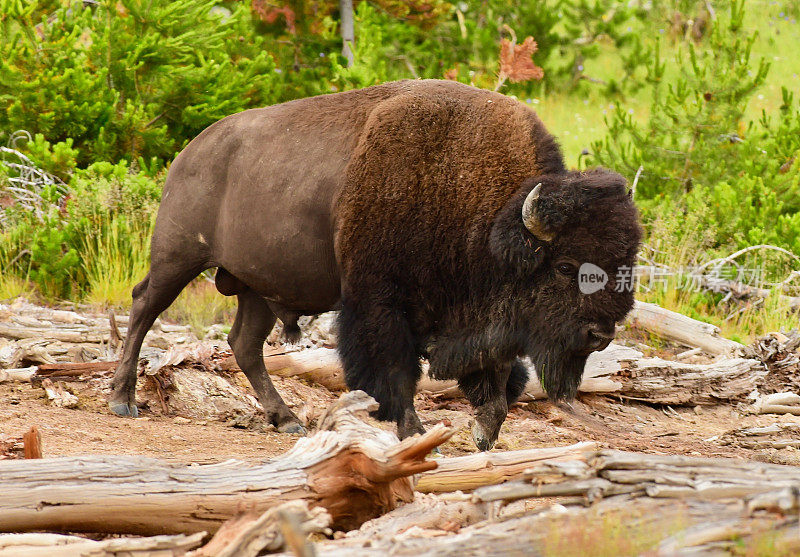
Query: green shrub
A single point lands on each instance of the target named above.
(92, 244)
(694, 131)
(129, 78)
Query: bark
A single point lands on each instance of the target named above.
(251, 534)
(56, 545)
(348, 33)
(353, 470)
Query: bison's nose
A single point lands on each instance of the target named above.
(598, 337)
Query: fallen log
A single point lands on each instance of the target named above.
(617, 369)
(353, 470)
(463, 473)
(774, 436)
(777, 403)
(17, 375)
(610, 472)
(57, 545)
(616, 526)
(75, 369)
(684, 330)
(427, 511)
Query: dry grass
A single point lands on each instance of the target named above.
(611, 534)
(200, 306)
(12, 286)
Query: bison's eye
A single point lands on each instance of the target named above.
(567, 269)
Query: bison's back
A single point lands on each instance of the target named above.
(254, 192)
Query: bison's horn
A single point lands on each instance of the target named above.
(529, 218)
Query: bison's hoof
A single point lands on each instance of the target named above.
(292, 427)
(124, 409)
(483, 442)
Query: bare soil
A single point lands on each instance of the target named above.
(613, 423)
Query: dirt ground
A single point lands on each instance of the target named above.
(612, 423)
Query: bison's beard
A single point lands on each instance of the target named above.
(559, 372)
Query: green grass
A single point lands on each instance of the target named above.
(117, 258)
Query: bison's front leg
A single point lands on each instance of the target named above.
(456, 355)
(491, 391)
(379, 357)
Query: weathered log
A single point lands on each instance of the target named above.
(469, 472)
(353, 470)
(778, 403)
(637, 489)
(18, 375)
(56, 545)
(679, 328)
(667, 382)
(560, 530)
(660, 476)
(65, 335)
(617, 369)
(426, 511)
(774, 436)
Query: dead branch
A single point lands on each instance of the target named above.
(251, 534)
(684, 330)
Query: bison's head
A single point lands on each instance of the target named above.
(572, 239)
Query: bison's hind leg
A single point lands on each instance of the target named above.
(379, 356)
(254, 321)
(150, 297)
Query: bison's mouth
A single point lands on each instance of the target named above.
(559, 372)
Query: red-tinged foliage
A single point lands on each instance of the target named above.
(269, 14)
(516, 62)
(451, 74)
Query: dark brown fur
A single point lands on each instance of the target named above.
(401, 202)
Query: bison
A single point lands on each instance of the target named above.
(438, 218)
